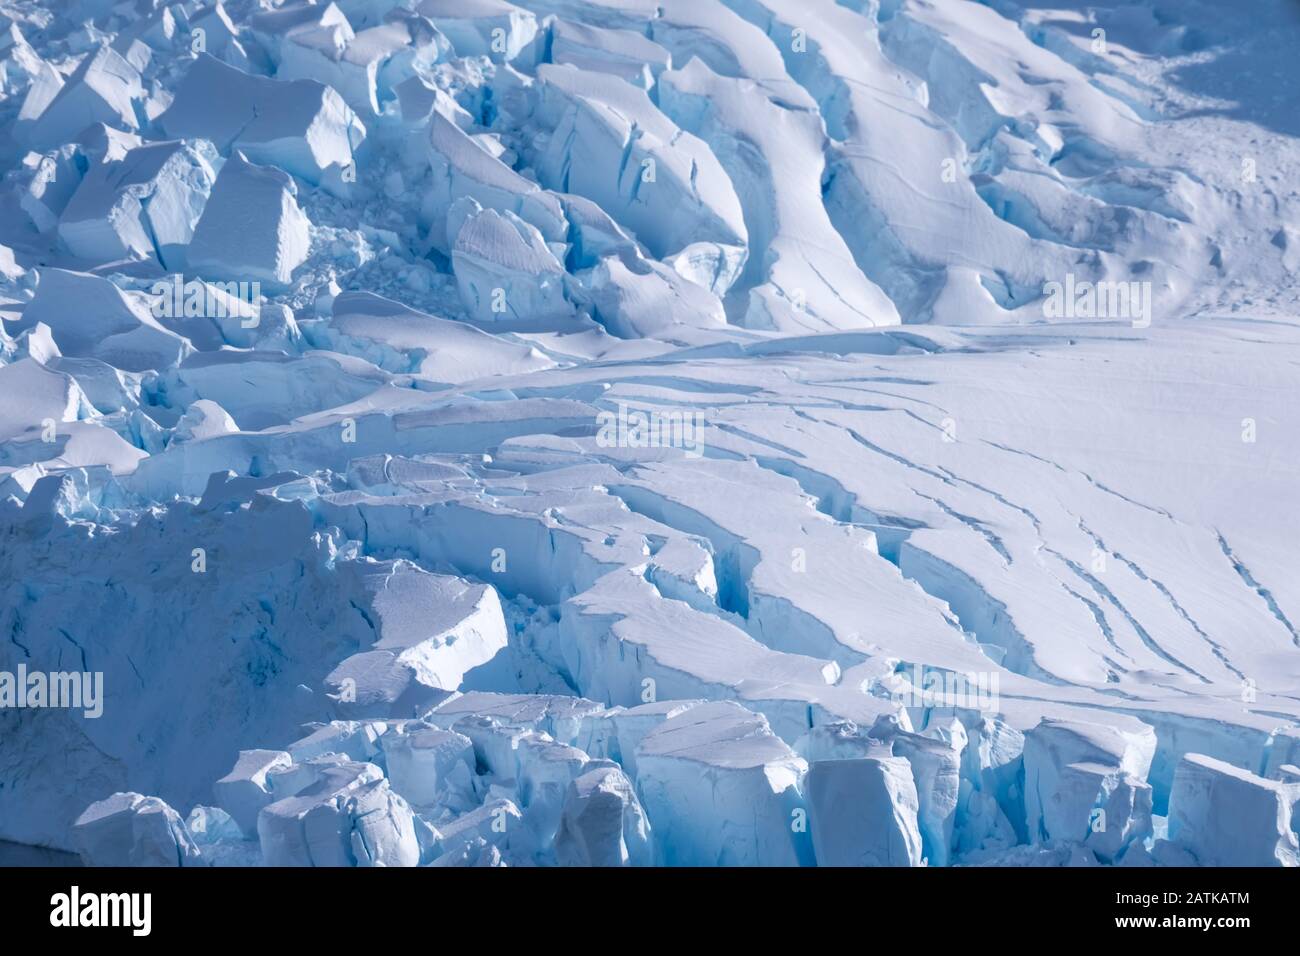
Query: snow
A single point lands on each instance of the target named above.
(627, 433)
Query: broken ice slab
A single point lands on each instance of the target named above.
(863, 812)
(251, 227)
(460, 169)
(366, 67)
(491, 28)
(430, 630)
(129, 829)
(347, 816)
(247, 789)
(90, 317)
(1087, 783)
(1227, 816)
(649, 300)
(935, 761)
(602, 822)
(429, 766)
(46, 182)
(353, 739)
(104, 88)
(301, 126)
(559, 716)
(721, 789)
(203, 419)
(505, 270)
(498, 824)
(140, 207)
(222, 37)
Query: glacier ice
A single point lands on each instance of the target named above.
(630, 433)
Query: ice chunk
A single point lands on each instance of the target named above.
(1087, 782)
(461, 168)
(404, 340)
(431, 629)
(104, 88)
(1226, 816)
(561, 717)
(144, 205)
(504, 270)
(990, 812)
(611, 144)
(104, 144)
(602, 823)
(203, 419)
(498, 824)
(863, 812)
(491, 28)
(251, 227)
(347, 817)
(271, 28)
(246, 789)
(1283, 749)
(301, 126)
(128, 829)
(38, 393)
(367, 66)
(220, 37)
(649, 299)
(838, 740)
(629, 56)
(936, 767)
(546, 769)
(90, 317)
(45, 183)
(209, 826)
(495, 744)
(721, 789)
(429, 766)
(354, 739)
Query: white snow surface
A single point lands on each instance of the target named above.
(614, 432)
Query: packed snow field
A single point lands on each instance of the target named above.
(616, 432)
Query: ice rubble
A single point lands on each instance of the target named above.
(369, 585)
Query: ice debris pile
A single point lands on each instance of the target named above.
(614, 432)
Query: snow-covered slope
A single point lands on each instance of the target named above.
(604, 432)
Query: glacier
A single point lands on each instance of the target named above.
(626, 433)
